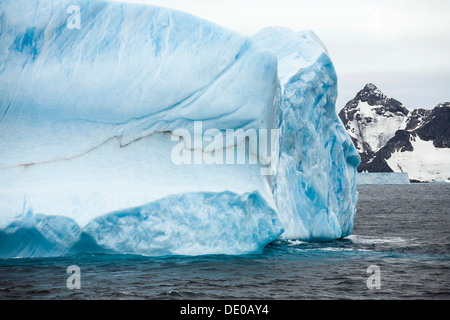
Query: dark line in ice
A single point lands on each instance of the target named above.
(119, 138)
(7, 108)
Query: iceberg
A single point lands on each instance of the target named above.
(96, 100)
(382, 178)
(223, 222)
(315, 189)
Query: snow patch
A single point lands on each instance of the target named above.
(424, 163)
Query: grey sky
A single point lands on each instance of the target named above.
(402, 46)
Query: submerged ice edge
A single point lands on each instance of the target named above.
(185, 224)
(128, 76)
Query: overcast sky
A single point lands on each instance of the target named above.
(402, 46)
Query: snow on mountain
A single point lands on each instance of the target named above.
(372, 119)
(393, 138)
(424, 162)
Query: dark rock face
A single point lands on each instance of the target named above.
(416, 118)
(436, 126)
(374, 97)
(429, 125)
(400, 142)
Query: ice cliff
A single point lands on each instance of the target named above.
(91, 114)
(382, 178)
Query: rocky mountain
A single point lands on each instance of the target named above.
(393, 138)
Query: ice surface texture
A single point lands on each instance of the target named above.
(86, 117)
(315, 188)
(223, 222)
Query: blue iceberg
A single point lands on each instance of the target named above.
(91, 115)
(315, 188)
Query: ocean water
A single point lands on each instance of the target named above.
(402, 230)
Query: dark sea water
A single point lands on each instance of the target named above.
(404, 230)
